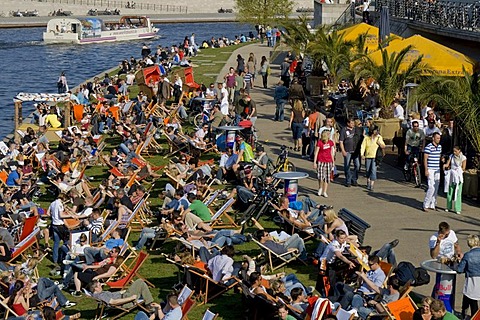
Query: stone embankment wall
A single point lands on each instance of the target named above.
(44, 7)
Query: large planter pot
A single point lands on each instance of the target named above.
(470, 184)
(389, 128)
(314, 85)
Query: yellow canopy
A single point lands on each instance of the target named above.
(352, 33)
(443, 60)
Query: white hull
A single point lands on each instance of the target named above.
(71, 31)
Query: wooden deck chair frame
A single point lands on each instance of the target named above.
(218, 222)
(213, 196)
(174, 148)
(130, 273)
(402, 309)
(102, 305)
(476, 316)
(25, 244)
(176, 183)
(8, 310)
(272, 257)
(209, 315)
(290, 228)
(207, 284)
(107, 233)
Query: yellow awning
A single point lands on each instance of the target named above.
(443, 60)
(352, 33)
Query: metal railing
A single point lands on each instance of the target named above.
(347, 17)
(446, 14)
(121, 5)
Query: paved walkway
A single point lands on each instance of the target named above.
(393, 210)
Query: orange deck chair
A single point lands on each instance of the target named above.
(131, 273)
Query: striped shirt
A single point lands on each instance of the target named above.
(434, 155)
(248, 78)
(96, 226)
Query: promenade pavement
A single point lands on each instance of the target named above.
(393, 210)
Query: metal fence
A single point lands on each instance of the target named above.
(122, 5)
(446, 14)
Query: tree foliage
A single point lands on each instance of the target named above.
(298, 34)
(458, 95)
(263, 12)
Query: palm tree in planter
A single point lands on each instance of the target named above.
(390, 74)
(458, 95)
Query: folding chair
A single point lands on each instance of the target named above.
(476, 316)
(106, 233)
(28, 226)
(25, 244)
(206, 288)
(8, 310)
(320, 308)
(131, 273)
(401, 309)
(102, 305)
(387, 268)
(272, 257)
(217, 222)
(208, 201)
(209, 315)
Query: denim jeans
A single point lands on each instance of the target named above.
(223, 237)
(280, 110)
(291, 281)
(48, 290)
(147, 233)
(386, 252)
(141, 316)
(358, 304)
(371, 168)
(244, 194)
(91, 253)
(56, 244)
(296, 242)
(351, 176)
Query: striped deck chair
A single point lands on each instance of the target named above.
(25, 244)
(209, 315)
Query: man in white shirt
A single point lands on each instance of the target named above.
(130, 78)
(211, 92)
(398, 111)
(444, 243)
(223, 97)
(221, 266)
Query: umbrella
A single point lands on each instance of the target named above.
(372, 32)
(384, 26)
(443, 60)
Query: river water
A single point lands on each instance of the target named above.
(28, 65)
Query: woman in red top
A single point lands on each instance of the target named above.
(324, 153)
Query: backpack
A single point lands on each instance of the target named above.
(405, 272)
(421, 277)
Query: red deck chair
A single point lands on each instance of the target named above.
(25, 244)
(189, 80)
(115, 112)
(78, 112)
(131, 273)
(116, 172)
(28, 226)
(187, 306)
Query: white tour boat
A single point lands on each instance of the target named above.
(94, 30)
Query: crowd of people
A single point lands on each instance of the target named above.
(89, 223)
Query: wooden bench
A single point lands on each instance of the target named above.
(356, 225)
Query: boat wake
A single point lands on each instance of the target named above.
(15, 44)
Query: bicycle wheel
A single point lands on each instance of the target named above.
(198, 120)
(416, 175)
(407, 174)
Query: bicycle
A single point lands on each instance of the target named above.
(412, 170)
(283, 163)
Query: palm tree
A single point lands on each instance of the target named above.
(460, 96)
(389, 74)
(298, 34)
(331, 49)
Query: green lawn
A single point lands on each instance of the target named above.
(156, 269)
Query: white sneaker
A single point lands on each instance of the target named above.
(320, 191)
(325, 195)
(70, 304)
(67, 262)
(61, 286)
(457, 212)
